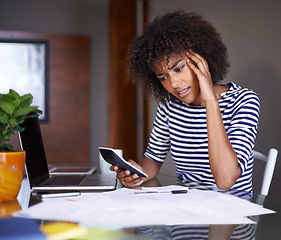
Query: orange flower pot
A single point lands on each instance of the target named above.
(11, 174)
(7, 208)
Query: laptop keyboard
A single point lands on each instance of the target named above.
(68, 180)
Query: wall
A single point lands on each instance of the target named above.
(251, 31)
(86, 17)
(66, 133)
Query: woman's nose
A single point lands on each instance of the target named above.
(175, 82)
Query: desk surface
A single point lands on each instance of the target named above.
(268, 226)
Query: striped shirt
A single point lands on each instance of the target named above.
(193, 232)
(182, 129)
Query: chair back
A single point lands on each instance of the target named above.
(270, 161)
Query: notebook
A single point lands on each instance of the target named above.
(38, 172)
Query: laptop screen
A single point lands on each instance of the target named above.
(32, 143)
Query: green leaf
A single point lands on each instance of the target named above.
(4, 118)
(17, 102)
(24, 107)
(26, 111)
(23, 111)
(2, 128)
(18, 128)
(7, 105)
(26, 100)
(8, 136)
(21, 119)
(7, 97)
(35, 113)
(13, 121)
(38, 112)
(34, 109)
(13, 94)
(8, 146)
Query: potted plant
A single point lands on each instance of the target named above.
(14, 110)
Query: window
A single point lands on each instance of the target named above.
(24, 68)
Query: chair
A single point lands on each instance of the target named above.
(270, 160)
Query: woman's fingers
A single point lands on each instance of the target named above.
(201, 69)
(121, 174)
(114, 168)
(125, 177)
(199, 61)
(131, 180)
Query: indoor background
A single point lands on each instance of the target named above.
(250, 29)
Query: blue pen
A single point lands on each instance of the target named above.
(172, 192)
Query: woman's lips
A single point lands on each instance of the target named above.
(184, 92)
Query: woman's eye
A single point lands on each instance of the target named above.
(162, 79)
(179, 69)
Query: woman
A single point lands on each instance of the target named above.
(210, 128)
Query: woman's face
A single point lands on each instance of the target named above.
(178, 79)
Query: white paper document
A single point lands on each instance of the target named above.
(124, 208)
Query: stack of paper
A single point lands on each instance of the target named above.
(123, 208)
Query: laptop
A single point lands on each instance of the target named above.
(38, 172)
(70, 170)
